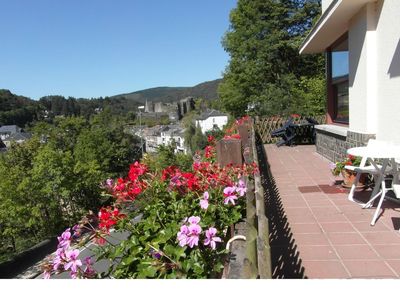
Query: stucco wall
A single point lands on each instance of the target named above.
(362, 71)
(388, 70)
(374, 70)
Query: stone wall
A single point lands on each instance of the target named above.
(333, 146)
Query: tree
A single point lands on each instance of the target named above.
(166, 157)
(265, 66)
(51, 180)
(190, 130)
(199, 140)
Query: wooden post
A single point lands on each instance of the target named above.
(244, 134)
(264, 265)
(250, 263)
(229, 151)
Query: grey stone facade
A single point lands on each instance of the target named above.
(333, 146)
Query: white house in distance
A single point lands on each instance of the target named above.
(7, 130)
(165, 135)
(361, 39)
(211, 119)
(174, 134)
(18, 137)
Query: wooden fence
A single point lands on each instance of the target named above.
(253, 259)
(265, 125)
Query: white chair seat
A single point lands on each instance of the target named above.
(367, 169)
(370, 169)
(380, 176)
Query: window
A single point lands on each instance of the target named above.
(338, 81)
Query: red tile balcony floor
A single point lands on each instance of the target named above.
(331, 237)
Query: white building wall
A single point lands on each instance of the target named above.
(388, 70)
(166, 139)
(362, 71)
(208, 124)
(374, 70)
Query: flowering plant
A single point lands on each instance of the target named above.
(176, 222)
(336, 168)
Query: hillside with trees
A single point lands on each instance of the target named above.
(21, 110)
(266, 73)
(206, 90)
(17, 110)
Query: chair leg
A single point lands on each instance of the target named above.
(371, 201)
(353, 188)
(375, 192)
(378, 208)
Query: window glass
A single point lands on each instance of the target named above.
(339, 80)
(342, 102)
(340, 64)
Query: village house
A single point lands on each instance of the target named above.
(211, 119)
(152, 137)
(12, 133)
(17, 137)
(7, 130)
(164, 135)
(174, 135)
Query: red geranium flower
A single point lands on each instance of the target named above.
(108, 217)
(136, 169)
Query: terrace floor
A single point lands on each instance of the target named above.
(328, 235)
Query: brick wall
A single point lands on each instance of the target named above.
(333, 146)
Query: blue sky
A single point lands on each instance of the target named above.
(93, 48)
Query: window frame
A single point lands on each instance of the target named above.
(332, 105)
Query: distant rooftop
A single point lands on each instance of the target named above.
(10, 128)
(18, 136)
(211, 113)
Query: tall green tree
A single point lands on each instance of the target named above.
(265, 66)
(50, 181)
(199, 140)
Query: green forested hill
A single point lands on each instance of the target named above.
(21, 110)
(206, 90)
(15, 109)
(9, 101)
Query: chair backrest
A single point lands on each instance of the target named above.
(377, 143)
(371, 143)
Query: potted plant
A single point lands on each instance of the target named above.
(348, 175)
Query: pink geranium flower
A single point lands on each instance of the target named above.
(46, 275)
(73, 262)
(194, 220)
(241, 188)
(211, 239)
(59, 259)
(65, 239)
(204, 201)
(229, 194)
(89, 271)
(183, 235)
(189, 235)
(193, 237)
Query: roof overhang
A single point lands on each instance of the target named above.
(331, 25)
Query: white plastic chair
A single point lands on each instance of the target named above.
(395, 187)
(371, 169)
